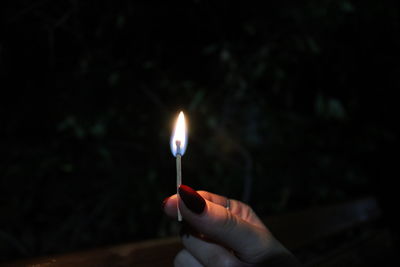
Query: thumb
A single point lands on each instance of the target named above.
(250, 243)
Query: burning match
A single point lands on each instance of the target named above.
(178, 146)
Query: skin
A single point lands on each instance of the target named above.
(221, 237)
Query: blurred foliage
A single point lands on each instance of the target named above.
(289, 105)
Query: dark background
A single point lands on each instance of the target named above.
(290, 105)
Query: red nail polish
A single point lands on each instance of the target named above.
(164, 202)
(192, 199)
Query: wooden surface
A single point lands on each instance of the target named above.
(294, 230)
(157, 253)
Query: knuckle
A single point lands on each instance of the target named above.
(229, 222)
(249, 213)
(246, 211)
(246, 207)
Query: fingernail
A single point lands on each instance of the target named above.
(164, 202)
(192, 199)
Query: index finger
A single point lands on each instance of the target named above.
(237, 208)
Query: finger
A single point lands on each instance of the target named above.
(209, 254)
(170, 206)
(185, 259)
(236, 207)
(251, 243)
(217, 199)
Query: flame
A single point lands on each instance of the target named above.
(179, 134)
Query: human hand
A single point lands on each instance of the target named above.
(223, 237)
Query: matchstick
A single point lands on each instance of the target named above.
(178, 175)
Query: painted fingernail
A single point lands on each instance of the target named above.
(192, 199)
(164, 202)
